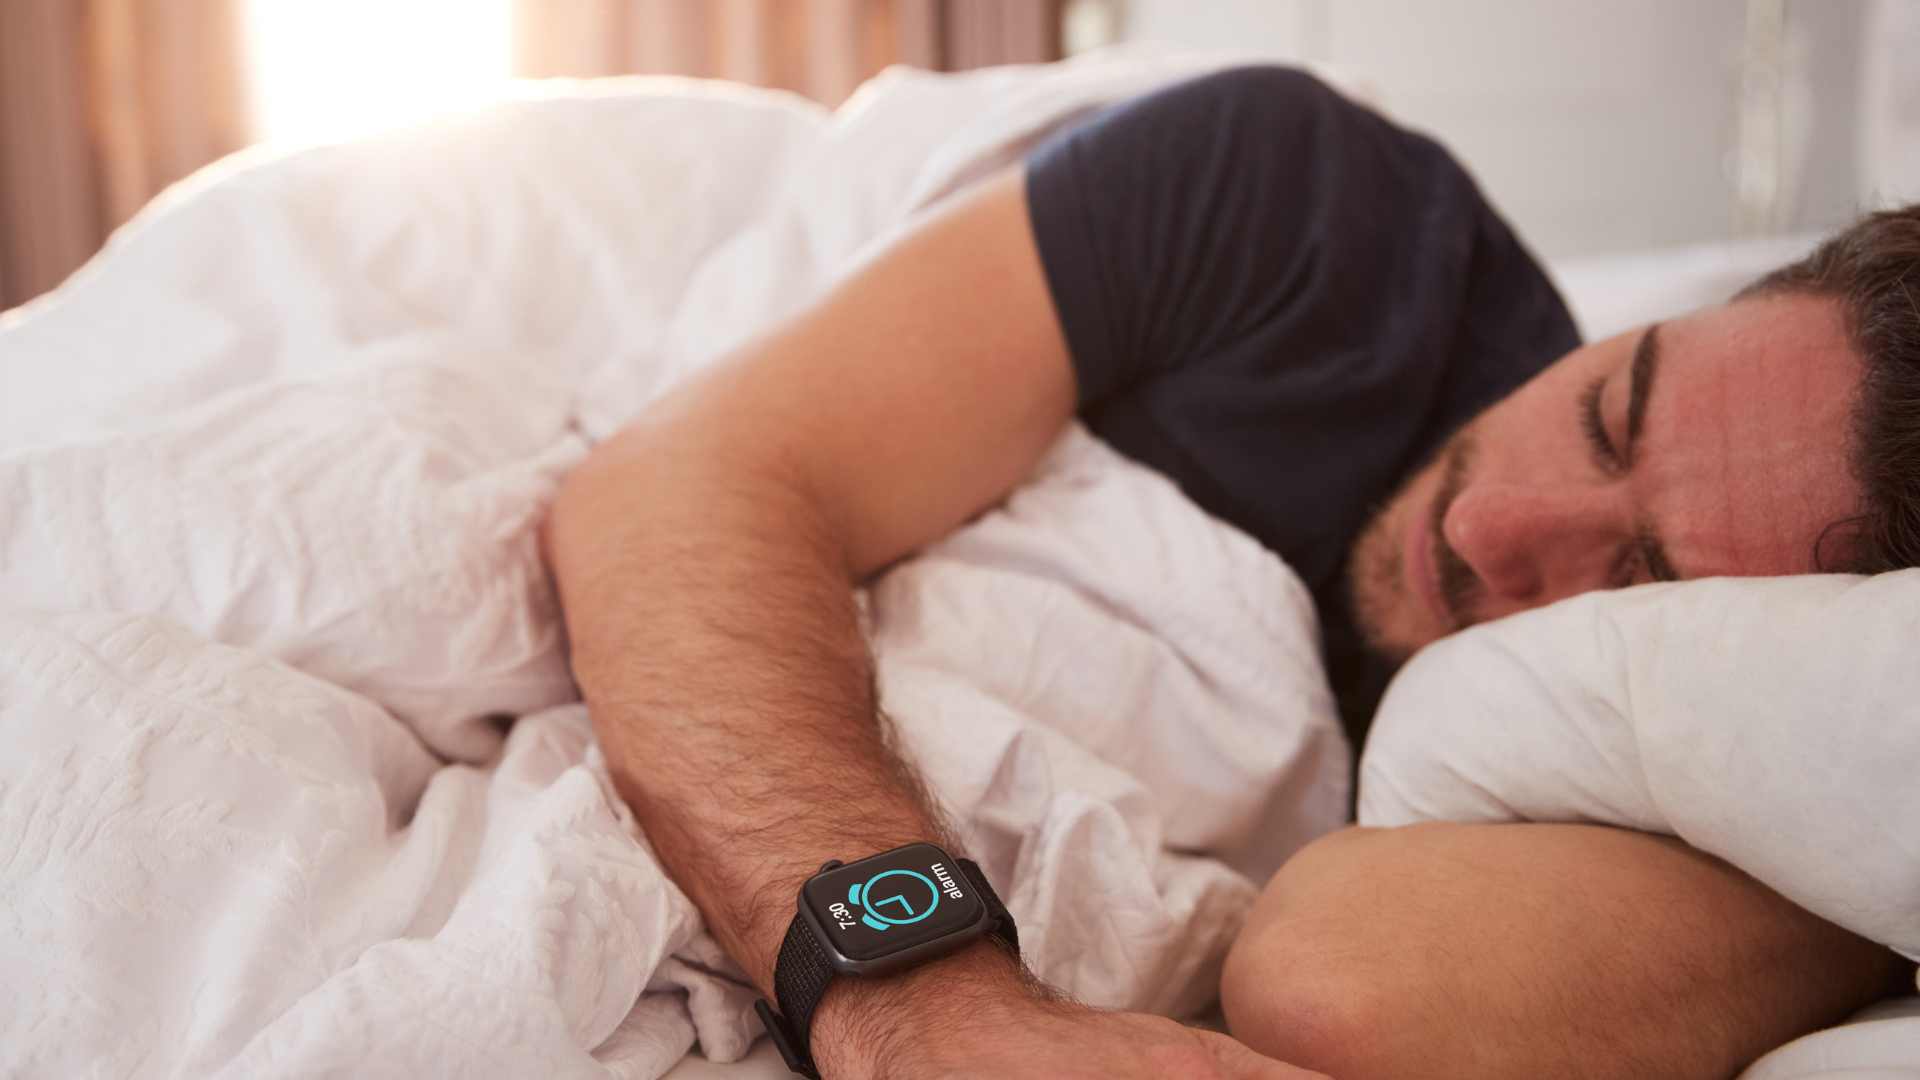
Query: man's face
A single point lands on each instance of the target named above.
(1713, 444)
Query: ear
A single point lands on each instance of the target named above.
(1845, 547)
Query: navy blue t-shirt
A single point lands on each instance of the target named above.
(1286, 303)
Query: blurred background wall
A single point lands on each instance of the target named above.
(1598, 127)
(1627, 124)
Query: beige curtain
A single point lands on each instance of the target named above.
(168, 90)
(102, 104)
(105, 102)
(821, 48)
(49, 194)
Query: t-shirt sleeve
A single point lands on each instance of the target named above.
(1280, 298)
(1177, 223)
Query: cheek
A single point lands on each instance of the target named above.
(1745, 515)
(1530, 419)
(1535, 437)
(1414, 497)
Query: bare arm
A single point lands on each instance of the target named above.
(1533, 950)
(705, 558)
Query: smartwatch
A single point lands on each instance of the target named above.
(882, 914)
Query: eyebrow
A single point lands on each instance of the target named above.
(1646, 362)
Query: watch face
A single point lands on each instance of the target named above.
(893, 902)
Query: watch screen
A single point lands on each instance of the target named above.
(893, 901)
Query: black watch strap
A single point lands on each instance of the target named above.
(803, 971)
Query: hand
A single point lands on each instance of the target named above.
(977, 1014)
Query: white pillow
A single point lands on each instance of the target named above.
(1772, 722)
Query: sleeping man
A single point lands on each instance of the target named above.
(1312, 321)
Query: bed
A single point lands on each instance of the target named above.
(273, 464)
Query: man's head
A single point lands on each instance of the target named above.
(1778, 433)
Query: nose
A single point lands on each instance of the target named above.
(1533, 544)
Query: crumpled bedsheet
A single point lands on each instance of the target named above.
(296, 779)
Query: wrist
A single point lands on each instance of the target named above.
(875, 1028)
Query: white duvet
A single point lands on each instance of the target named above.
(294, 777)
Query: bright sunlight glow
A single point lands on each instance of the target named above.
(325, 71)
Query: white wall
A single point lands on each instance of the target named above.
(1890, 104)
(1596, 127)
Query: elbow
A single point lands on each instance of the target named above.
(575, 511)
(625, 484)
(1329, 974)
(683, 490)
(1305, 992)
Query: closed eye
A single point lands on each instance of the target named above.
(1646, 551)
(1596, 430)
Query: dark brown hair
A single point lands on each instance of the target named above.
(1873, 269)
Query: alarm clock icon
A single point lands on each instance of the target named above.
(886, 903)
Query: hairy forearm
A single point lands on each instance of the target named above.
(716, 639)
(706, 558)
(1533, 950)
